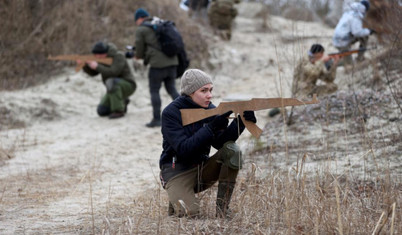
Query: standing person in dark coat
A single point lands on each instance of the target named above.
(117, 77)
(186, 167)
(162, 68)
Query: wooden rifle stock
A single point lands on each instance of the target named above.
(82, 58)
(189, 116)
(346, 53)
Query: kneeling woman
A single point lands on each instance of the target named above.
(186, 167)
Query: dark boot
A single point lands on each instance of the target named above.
(225, 190)
(116, 115)
(154, 123)
(126, 102)
(273, 112)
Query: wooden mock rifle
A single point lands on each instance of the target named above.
(82, 58)
(189, 116)
(346, 53)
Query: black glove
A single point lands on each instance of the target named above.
(129, 54)
(220, 122)
(249, 116)
(372, 31)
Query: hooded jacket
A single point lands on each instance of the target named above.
(118, 69)
(191, 144)
(350, 26)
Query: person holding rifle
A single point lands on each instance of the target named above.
(312, 68)
(349, 30)
(186, 167)
(117, 78)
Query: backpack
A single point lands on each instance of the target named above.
(171, 43)
(184, 62)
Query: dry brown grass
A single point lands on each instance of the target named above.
(282, 202)
(32, 30)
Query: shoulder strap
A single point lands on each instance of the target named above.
(152, 26)
(148, 24)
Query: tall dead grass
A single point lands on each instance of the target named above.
(32, 30)
(282, 202)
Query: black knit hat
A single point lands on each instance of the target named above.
(100, 48)
(140, 13)
(316, 48)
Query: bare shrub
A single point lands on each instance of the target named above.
(385, 18)
(32, 30)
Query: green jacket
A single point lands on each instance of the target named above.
(147, 47)
(118, 69)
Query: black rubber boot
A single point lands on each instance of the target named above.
(116, 115)
(126, 102)
(225, 191)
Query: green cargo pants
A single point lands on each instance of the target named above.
(224, 166)
(118, 90)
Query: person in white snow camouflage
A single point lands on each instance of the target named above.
(349, 30)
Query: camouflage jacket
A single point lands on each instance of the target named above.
(306, 75)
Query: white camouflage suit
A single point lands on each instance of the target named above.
(349, 30)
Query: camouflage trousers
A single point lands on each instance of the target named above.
(320, 90)
(222, 27)
(117, 92)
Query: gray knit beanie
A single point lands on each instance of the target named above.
(192, 80)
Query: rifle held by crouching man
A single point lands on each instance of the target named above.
(238, 107)
(350, 52)
(82, 60)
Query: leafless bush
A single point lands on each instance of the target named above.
(32, 30)
(385, 17)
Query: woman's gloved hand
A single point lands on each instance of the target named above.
(249, 116)
(220, 122)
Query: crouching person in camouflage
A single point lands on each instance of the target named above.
(312, 68)
(221, 14)
(117, 78)
(186, 167)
